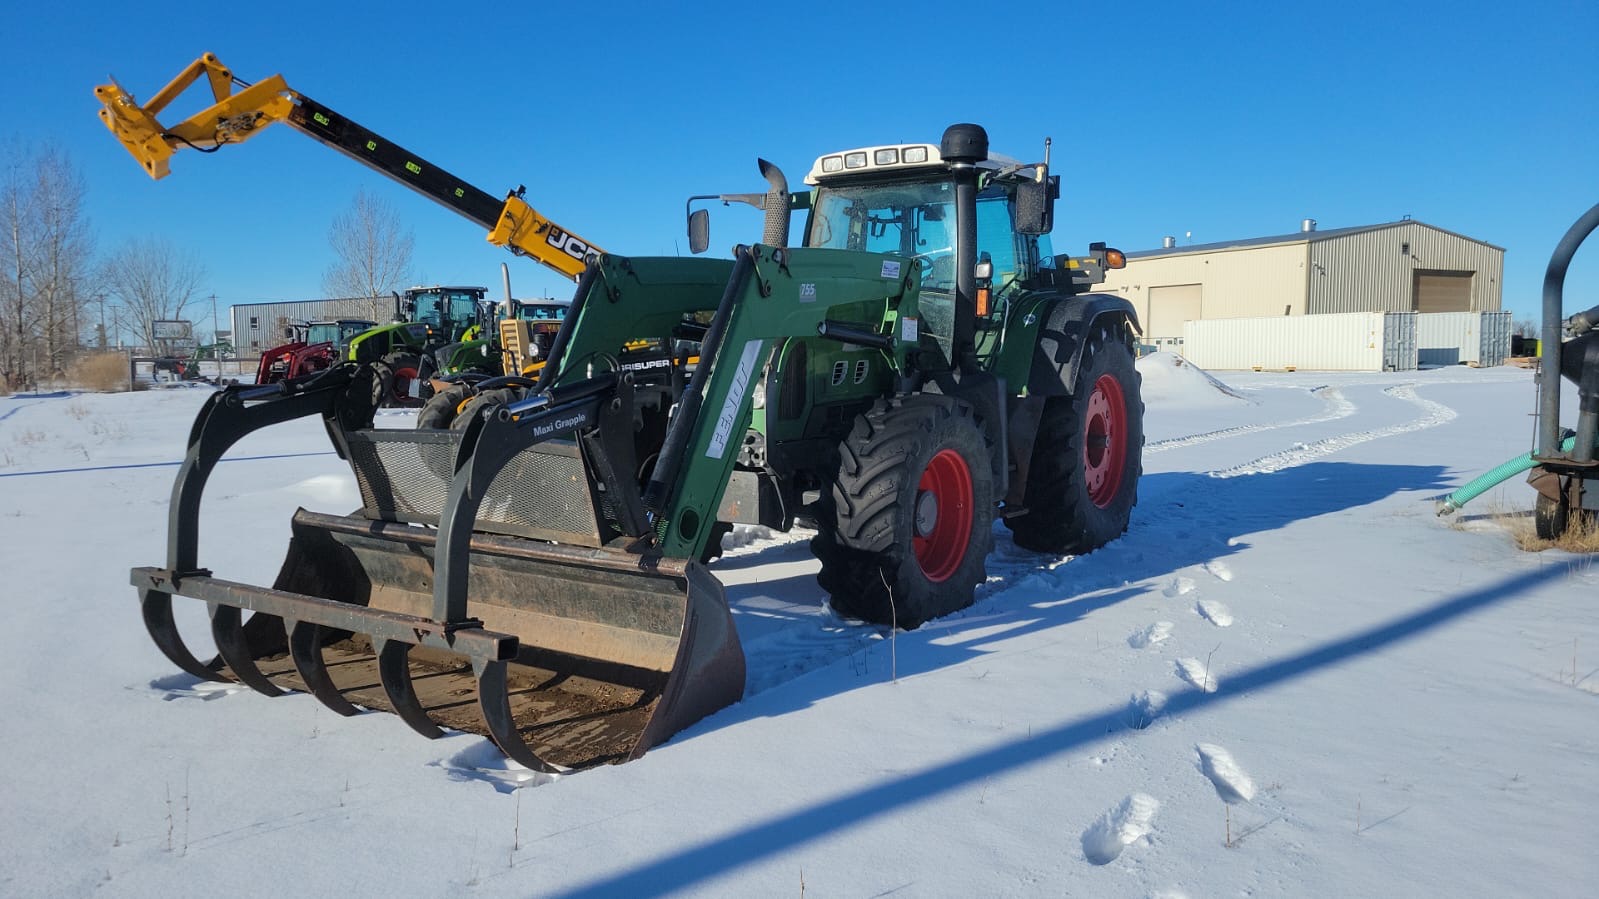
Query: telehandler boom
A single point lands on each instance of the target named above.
(242, 110)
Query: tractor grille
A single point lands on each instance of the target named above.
(543, 492)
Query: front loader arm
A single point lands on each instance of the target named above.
(241, 110)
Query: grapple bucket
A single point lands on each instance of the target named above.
(583, 656)
(480, 588)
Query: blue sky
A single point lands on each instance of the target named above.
(1217, 120)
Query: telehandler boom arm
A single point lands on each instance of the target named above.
(242, 110)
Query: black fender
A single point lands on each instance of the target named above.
(1066, 322)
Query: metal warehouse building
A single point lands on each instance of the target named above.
(1404, 266)
(261, 326)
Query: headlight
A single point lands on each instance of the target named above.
(758, 395)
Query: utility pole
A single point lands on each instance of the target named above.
(215, 353)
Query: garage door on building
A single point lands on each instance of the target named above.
(1443, 292)
(1170, 306)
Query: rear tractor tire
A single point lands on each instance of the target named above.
(905, 531)
(1087, 457)
(398, 370)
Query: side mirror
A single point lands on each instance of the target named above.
(699, 231)
(1033, 207)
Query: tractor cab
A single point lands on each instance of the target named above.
(911, 201)
(446, 311)
(338, 333)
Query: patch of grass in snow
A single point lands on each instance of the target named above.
(1581, 536)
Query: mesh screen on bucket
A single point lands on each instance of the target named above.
(543, 492)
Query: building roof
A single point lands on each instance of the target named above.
(1295, 237)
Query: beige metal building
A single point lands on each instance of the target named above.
(1404, 266)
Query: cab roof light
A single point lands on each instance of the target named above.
(913, 155)
(855, 160)
(886, 156)
(832, 163)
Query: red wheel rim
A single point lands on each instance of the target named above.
(942, 515)
(1105, 441)
(401, 386)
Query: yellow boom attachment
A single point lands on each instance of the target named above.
(240, 110)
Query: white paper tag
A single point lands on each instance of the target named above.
(907, 330)
(891, 268)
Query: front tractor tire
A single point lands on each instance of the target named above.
(441, 410)
(904, 534)
(1082, 482)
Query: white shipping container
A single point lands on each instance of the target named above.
(1455, 338)
(1350, 341)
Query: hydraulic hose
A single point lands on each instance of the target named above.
(1491, 478)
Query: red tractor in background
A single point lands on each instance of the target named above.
(313, 346)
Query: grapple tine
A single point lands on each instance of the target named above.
(157, 609)
(494, 701)
(394, 669)
(227, 629)
(305, 647)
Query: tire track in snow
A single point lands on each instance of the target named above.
(1337, 407)
(1437, 414)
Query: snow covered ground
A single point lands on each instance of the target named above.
(1288, 679)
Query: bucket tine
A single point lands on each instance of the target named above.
(394, 668)
(157, 609)
(305, 647)
(494, 701)
(228, 630)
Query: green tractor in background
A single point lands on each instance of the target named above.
(405, 352)
(506, 349)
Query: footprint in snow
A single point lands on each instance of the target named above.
(1144, 708)
(1219, 570)
(1130, 821)
(1231, 781)
(1193, 671)
(1214, 612)
(1153, 635)
(1179, 586)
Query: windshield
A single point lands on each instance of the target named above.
(338, 333)
(553, 312)
(457, 308)
(916, 219)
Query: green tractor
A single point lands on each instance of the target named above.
(922, 365)
(404, 352)
(506, 350)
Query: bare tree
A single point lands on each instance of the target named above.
(372, 250)
(65, 246)
(152, 280)
(16, 332)
(45, 248)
